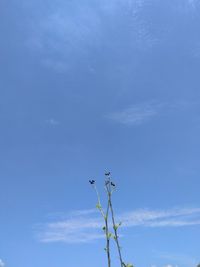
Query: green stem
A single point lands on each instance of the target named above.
(109, 192)
(105, 216)
(115, 232)
(107, 237)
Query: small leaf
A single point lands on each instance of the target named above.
(109, 235)
(115, 227)
(98, 206)
(128, 265)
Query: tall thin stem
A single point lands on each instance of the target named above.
(106, 229)
(116, 237)
(116, 233)
(107, 236)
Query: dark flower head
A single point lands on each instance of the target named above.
(112, 184)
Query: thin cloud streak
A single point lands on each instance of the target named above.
(85, 226)
(77, 230)
(136, 114)
(84, 212)
(141, 113)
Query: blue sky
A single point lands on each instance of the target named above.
(95, 85)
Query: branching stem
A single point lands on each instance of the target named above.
(109, 187)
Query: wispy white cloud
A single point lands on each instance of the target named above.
(141, 113)
(83, 212)
(178, 259)
(136, 114)
(162, 218)
(68, 29)
(2, 264)
(85, 226)
(78, 229)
